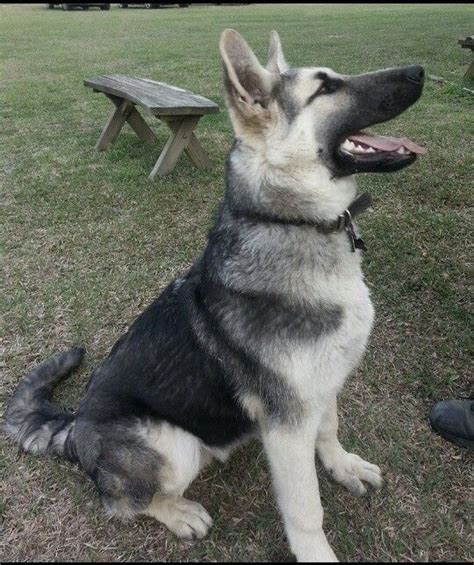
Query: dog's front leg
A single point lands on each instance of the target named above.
(346, 468)
(291, 457)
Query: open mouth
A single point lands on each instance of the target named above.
(366, 152)
(373, 98)
(366, 143)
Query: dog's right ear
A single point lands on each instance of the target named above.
(276, 62)
(247, 83)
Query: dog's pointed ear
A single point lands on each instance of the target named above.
(276, 62)
(248, 84)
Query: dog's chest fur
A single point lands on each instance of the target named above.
(320, 366)
(303, 308)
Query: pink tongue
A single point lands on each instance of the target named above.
(387, 143)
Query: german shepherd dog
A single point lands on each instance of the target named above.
(259, 335)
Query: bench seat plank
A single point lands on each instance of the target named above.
(157, 98)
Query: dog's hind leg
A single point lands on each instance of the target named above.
(183, 457)
(144, 467)
(346, 468)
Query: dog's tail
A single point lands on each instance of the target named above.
(32, 419)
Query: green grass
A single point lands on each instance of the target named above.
(88, 242)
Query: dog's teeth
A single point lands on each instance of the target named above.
(348, 145)
(356, 148)
(359, 149)
(402, 150)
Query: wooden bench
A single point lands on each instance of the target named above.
(180, 109)
(468, 43)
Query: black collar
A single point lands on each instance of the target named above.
(343, 221)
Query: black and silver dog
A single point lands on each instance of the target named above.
(258, 337)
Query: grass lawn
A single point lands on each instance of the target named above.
(88, 242)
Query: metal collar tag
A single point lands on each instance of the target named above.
(345, 222)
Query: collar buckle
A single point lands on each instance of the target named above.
(344, 221)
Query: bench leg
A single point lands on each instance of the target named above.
(113, 126)
(194, 149)
(136, 122)
(470, 71)
(182, 131)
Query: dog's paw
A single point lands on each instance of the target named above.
(187, 520)
(311, 547)
(352, 471)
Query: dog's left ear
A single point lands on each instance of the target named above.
(276, 62)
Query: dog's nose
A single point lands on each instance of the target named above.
(415, 73)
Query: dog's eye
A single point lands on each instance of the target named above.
(328, 86)
(331, 85)
(324, 88)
